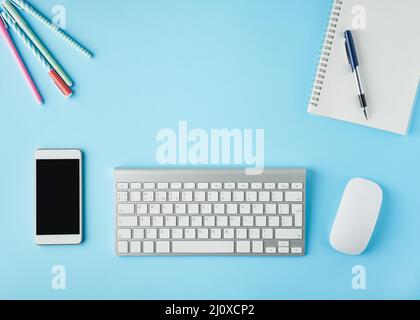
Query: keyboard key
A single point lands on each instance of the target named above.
(248, 221)
(297, 208)
(287, 221)
(270, 208)
(219, 208)
(187, 196)
(127, 222)
(173, 196)
(261, 221)
(228, 233)
(154, 208)
(283, 186)
(235, 221)
(269, 186)
(190, 233)
(203, 233)
(180, 208)
(162, 246)
(157, 221)
(177, 234)
(292, 234)
(168, 208)
(232, 208)
(199, 196)
(230, 185)
(135, 196)
(243, 185)
(284, 209)
(122, 247)
(124, 234)
(294, 196)
(264, 196)
(122, 186)
(202, 186)
(164, 233)
(184, 221)
(283, 243)
(270, 250)
(243, 246)
(209, 221)
(216, 233)
(212, 196)
(176, 185)
(226, 196)
(216, 186)
(163, 186)
(254, 233)
(161, 196)
(192, 208)
(145, 221)
(151, 233)
(189, 186)
(148, 247)
(148, 196)
(138, 234)
(257, 246)
(209, 247)
(135, 247)
(274, 221)
(251, 196)
(149, 186)
(245, 208)
(142, 208)
(196, 221)
(222, 221)
(267, 234)
(241, 233)
(125, 208)
(256, 186)
(257, 208)
(277, 196)
(135, 186)
(297, 250)
(122, 196)
(284, 250)
(206, 208)
(297, 186)
(238, 196)
(298, 219)
(170, 221)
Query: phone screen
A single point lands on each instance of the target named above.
(58, 197)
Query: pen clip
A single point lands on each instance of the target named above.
(347, 51)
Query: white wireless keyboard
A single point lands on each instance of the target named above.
(210, 212)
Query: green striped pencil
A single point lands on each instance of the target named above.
(11, 10)
(25, 6)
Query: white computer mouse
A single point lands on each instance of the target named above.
(356, 217)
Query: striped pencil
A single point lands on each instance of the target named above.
(59, 82)
(25, 6)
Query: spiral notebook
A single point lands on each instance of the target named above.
(387, 37)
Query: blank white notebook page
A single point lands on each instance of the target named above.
(387, 39)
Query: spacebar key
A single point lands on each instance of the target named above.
(203, 247)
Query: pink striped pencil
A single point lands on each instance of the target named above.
(19, 61)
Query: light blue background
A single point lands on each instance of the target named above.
(216, 64)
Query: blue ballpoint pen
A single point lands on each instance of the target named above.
(354, 63)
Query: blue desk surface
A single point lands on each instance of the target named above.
(216, 64)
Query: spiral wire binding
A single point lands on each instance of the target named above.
(326, 52)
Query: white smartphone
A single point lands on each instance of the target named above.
(58, 197)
